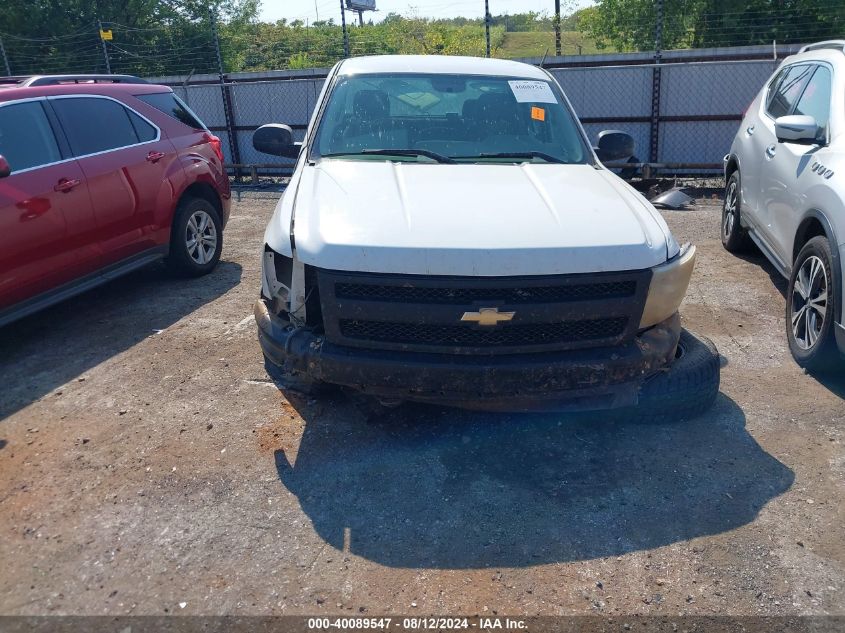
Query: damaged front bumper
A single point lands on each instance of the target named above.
(585, 379)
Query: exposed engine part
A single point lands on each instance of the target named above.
(284, 283)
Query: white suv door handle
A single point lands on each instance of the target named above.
(770, 150)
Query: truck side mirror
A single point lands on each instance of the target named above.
(5, 168)
(276, 139)
(797, 128)
(614, 145)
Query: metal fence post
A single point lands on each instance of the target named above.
(345, 32)
(655, 84)
(5, 58)
(231, 132)
(103, 43)
(557, 28)
(487, 20)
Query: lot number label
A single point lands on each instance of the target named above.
(532, 91)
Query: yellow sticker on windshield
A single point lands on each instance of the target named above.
(538, 114)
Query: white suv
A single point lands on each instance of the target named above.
(449, 235)
(785, 191)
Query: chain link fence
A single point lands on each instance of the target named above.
(681, 106)
(685, 131)
(109, 47)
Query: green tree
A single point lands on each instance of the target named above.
(150, 36)
(723, 23)
(630, 24)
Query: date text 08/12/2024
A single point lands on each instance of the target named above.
(416, 623)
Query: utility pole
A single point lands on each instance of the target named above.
(557, 28)
(5, 58)
(345, 33)
(103, 43)
(487, 20)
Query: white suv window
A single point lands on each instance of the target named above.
(786, 89)
(815, 100)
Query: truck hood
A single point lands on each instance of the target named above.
(472, 219)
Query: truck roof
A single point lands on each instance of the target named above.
(441, 64)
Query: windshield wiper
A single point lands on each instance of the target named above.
(395, 152)
(541, 155)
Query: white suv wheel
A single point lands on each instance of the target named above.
(809, 302)
(810, 298)
(734, 237)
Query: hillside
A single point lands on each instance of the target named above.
(535, 44)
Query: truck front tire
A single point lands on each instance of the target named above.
(685, 389)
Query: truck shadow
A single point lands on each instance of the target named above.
(49, 348)
(431, 488)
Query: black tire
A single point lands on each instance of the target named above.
(294, 381)
(685, 389)
(180, 259)
(819, 353)
(734, 236)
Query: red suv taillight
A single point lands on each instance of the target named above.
(216, 145)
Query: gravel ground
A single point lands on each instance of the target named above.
(148, 466)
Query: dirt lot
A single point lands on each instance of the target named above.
(148, 466)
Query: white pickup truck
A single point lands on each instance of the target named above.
(449, 235)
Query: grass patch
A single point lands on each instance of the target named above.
(535, 44)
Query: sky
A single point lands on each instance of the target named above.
(272, 10)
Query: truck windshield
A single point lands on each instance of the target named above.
(448, 118)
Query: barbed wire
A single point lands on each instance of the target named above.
(185, 47)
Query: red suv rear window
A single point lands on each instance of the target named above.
(172, 106)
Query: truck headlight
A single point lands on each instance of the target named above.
(668, 286)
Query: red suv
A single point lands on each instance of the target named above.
(100, 175)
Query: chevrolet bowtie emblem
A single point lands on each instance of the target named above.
(488, 316)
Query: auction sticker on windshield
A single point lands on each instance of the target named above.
(532, 91)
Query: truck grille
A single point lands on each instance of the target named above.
(424, 314)
(536, 294)
(461, 335)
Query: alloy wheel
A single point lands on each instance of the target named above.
(729, 214)
(809, 302)
(201, 237)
